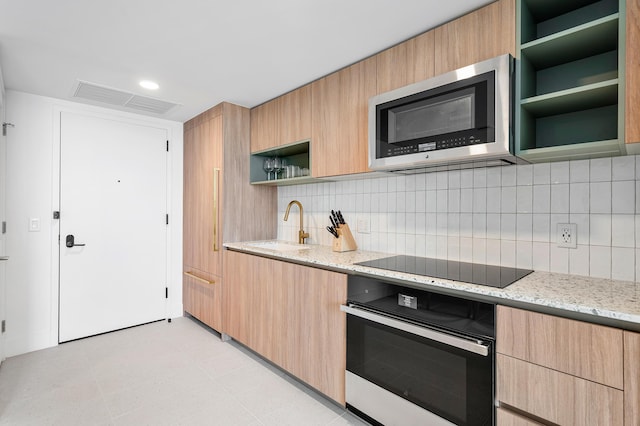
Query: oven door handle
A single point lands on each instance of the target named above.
(448, 339)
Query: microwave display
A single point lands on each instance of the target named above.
(449, 116)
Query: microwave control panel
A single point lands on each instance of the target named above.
(412, 147)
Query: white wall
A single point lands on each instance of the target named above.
(502, 215)
(32, 189)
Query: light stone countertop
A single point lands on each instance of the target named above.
(602, 301)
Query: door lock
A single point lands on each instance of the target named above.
(71, 241)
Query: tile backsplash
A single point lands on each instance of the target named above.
(501, 215)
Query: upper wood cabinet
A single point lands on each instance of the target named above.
(281, 121)
(486, 33)
(339, 127)
(632, 73)
(406, 63)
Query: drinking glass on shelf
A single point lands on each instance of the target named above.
(283, 167)
(268, 167)
(277, 166)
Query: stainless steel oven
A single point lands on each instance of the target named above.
(416, 357)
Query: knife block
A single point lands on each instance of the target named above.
(345, 241)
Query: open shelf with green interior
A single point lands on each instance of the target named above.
(568, 79)
(295, 154)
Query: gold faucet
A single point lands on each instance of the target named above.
(301, 234)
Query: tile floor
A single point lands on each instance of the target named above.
(177, 373)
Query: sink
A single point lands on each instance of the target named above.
(278, 246)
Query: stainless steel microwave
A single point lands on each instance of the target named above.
(458, 119)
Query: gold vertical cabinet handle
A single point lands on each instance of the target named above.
(197, 278)
(216, 174)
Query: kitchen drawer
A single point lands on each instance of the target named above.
(554, 396)
(202, 297)
(585, 350)
(508, 418)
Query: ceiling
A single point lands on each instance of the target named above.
(201, 52)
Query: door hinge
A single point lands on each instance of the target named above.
(4, 227)
(4, 128)
(167, 218)
(3, 327)
(56, 214)
(166, 292)
(167, 146)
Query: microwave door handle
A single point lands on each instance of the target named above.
(427, 333)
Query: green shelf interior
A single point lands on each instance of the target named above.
(296, 154)
(585, 97)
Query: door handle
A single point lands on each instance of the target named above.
(4, 257)
(71, 241)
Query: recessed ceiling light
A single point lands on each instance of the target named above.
(147, 84)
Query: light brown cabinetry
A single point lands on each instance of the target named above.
(218, 204)
(281, 121)
(632, 73)
(631, 379)
(483, 34)
(290, 314)
(406, 63)
(559, 370)
(339, 125)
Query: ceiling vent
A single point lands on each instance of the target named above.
(107, 95)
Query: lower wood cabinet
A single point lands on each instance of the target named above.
(566, 372)
(202, 297)
(289, 314)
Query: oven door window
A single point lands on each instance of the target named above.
(450, 382)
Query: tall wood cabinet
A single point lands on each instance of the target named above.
(290, 314)
(219, 205)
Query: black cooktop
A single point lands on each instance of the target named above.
(474, 273)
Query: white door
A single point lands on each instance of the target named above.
(113, 186)
(3, 245)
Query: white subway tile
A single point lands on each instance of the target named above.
(600, 170)
(524, 226)
(600, 262)
(410, 245)
(623, 168)
(559, 259)
(508, 199)
(391, 202)
(442, 180)
(453, 248)
(542, 198)
(410, 183)
(431, 201)
(623, 263)
(431, 224)
(579, 197)
(466, 225)
(509, 176)
(541, 227)
(560, 172)
(578, 171)
(453, 224)
(540, 256)
(420, 201)
(508, 226)
(479, 250)
(524, 199)
(508, 253)
(638, 254)
(579, 260)
(466, 200)
(431, 181)
(442, 246)
(623, 196)
(600, 197)
(432, 247)
(479, 225)
(524, 174)
(454, 179)
(494, 200)
(480, 177)
(600, 230)
(410, 220)
(466, 249)
(480, 200)
(421, 181)
(410, 202)
(442, 223)
(401, 202)
(493, 226)
(623, 230)
(494, 177)
(524, 254)
(542, 174)
(421, 223)
(466, 178)
(453, 198)
(583, 226)
(442, 202)
(421, 243)
(560, 198)
(493, 251)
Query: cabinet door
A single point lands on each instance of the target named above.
(632, 77)
(289, 314)
(631, 379)
(202, 196)
(486, 33)
(282, 121)
(202, 297)
(340, 120)
(406, 63)
(556, 397)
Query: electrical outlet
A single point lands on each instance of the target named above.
(567, 235)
